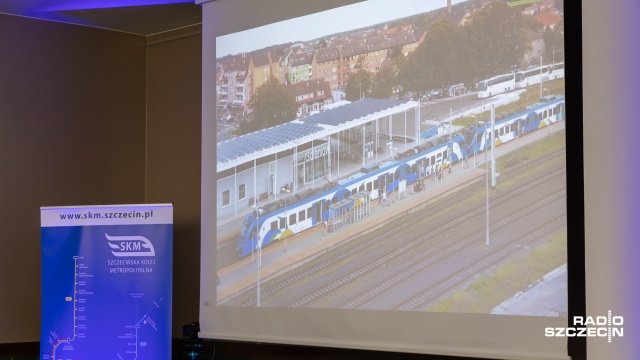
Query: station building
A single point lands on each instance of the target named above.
(263, 166)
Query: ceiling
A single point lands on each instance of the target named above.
(141, 17)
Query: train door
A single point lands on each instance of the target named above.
(520, 127)
(439, 158)
(318, 209)
(405, 172)
(560, 111)
(478, 141)
(383, 183)
(530, 122)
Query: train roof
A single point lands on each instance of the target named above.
(287, 136)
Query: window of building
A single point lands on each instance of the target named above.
(226, 198)
(242, 191)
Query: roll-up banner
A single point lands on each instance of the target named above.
(106, 282)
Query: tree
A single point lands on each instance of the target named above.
(385, 82)
(554, 43)
(414, 74)
(271, 105)
(496, 37)
(442, 50)
(358, 85)
(440, 60)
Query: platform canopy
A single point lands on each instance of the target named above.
(255, 145)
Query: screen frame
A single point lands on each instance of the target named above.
(575, 161)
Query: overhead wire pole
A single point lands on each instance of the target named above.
(255, 205)
(450, 150)
(475, 147)
(364, 140)
(258, 244)
(491, 138)
(486, 176)
(259, 266)
(540, 75)
(493, 142)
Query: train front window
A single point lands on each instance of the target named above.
(482, 86)
(245, 226)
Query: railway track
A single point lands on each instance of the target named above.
(347, 257)
(361, 299)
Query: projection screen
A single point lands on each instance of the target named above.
(345, 197)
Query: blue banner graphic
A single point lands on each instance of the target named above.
(106, 282)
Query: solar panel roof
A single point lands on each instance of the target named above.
(263, 139)
(355, 110)
(260, 140)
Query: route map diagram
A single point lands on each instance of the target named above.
(133, 339)
(74, 307)
(96, 305)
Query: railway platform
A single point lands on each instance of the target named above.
(286, 254)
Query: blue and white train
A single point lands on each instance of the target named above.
(308, 208)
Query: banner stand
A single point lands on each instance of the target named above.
(106, 282)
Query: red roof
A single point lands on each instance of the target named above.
(548, 18)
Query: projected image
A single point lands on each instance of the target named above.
(411, 159)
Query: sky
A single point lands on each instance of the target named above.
(324, 23)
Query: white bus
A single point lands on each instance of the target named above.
(556, 71)
(526, 78)
(496, 85)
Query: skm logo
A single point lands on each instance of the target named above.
(130, 246)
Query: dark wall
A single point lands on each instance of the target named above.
(174, 131)
(72, 132)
